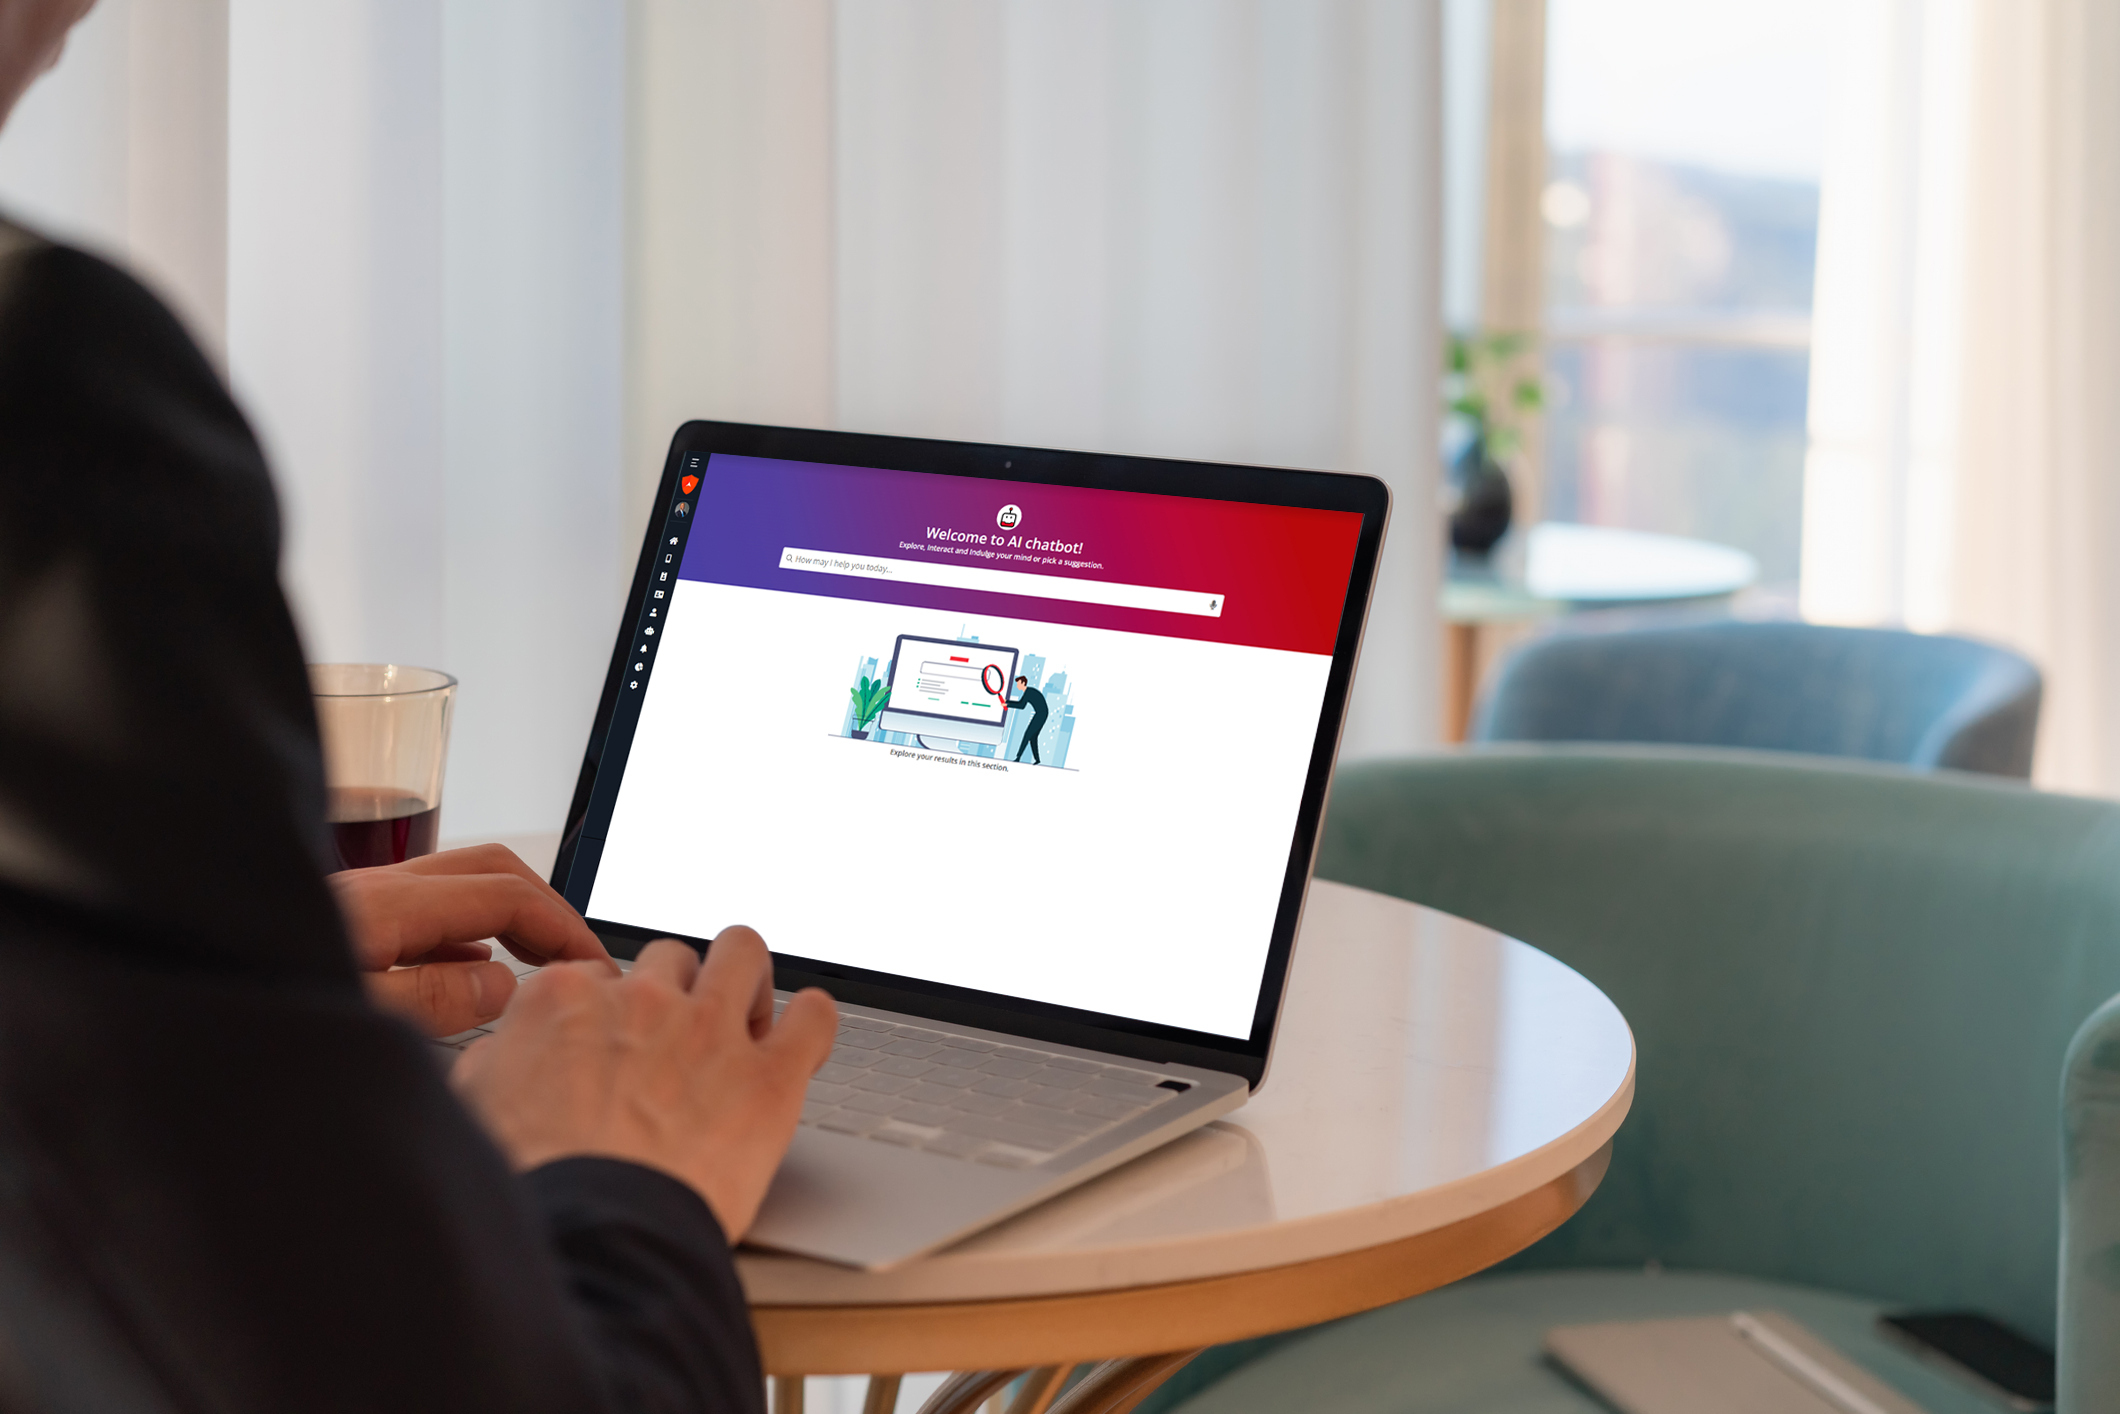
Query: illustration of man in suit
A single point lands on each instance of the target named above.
(1031, 697)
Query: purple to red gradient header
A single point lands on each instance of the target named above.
(1283, 570)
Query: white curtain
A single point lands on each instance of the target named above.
(1195, 228)
(475, 261)
(1965, 465)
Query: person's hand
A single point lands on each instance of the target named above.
(417, 931)
(679, 1066)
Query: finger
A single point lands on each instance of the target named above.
(398, 917)
(669, 962)
(735, 984)
(490, 859)
(473, 859)
(459, 952)
(804, 1035)
(443, 998)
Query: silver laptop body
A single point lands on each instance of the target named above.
(951, 1100)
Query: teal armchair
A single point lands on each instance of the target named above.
(1853, 988)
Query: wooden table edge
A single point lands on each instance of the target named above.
(1151, 1320)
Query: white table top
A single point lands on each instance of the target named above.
(1555, 566)
(1427, 1070)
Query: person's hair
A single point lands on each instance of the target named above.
(1022, 679)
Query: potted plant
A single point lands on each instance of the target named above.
(869, 697)
(1493, 386)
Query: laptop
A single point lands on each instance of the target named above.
(1019, 754)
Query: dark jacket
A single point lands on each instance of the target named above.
(226, 1181)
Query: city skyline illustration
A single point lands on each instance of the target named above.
(1053, 743)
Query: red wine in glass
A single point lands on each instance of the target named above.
(371, 826)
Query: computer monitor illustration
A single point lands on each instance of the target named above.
(941, 690)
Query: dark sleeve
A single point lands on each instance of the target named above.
(255, 1185)
(651, 1272)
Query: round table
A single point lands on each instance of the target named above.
(1555, 568)
(1440, 1097)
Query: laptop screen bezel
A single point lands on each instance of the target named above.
(1148, 1041)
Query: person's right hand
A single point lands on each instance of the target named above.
(679, 1066)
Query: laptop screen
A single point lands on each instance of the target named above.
(1041, 742)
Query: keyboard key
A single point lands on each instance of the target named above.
(1069, 1121)
(903, 1065)
(972, 1102)
(914, 1033)
(916, 1049)
(865, 1040)
(1056, 1078)
(850, 1122)
(953, 1077)
(892, 1134)
(829, 1093)
(966, 1043)
(957, 1146)
(1124, 1090)
(1131, 1077)
(933, 1116)
(958, 1056)
(1006, 1158)
(1070, 1063)
(932, 1094)
(875, 1104)
(812, 1111)
(884, 1084)
(838, 1074)
(848, 1056)
(863, 1023)
(1017, 1053)
(1046, 1095)
(998, 1086)
(1107, 1109)
(1013, 1070)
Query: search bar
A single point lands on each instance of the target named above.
(1034, 586)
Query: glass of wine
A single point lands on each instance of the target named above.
(386, 740)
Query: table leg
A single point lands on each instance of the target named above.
(882, 1397)
(1461, 668)
(787, 1394)
(964, 1391)
(1116, 1386)
(1040, 1388)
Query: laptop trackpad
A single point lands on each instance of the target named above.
(870, 1204)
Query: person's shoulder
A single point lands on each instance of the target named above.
(41, 277)
(74, 323)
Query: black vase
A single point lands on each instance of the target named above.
(1484, 503)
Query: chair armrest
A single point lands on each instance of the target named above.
(2089, 1347)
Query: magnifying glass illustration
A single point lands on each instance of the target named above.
(995, 681)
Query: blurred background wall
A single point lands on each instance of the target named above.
(1828, 282)
(479, 258)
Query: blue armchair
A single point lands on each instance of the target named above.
(1918, 699)
(1853, 989)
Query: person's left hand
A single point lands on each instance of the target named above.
(418, 931)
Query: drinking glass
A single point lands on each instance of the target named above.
(386, 739)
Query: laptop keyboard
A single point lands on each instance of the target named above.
(960, 1096)
(971, 1099)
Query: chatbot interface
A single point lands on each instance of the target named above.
(1039, 741)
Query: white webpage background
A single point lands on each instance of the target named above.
(1140, 882)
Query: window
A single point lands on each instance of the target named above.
(1681, 216)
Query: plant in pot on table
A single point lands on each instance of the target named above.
(1492, 383)
(869, 696)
